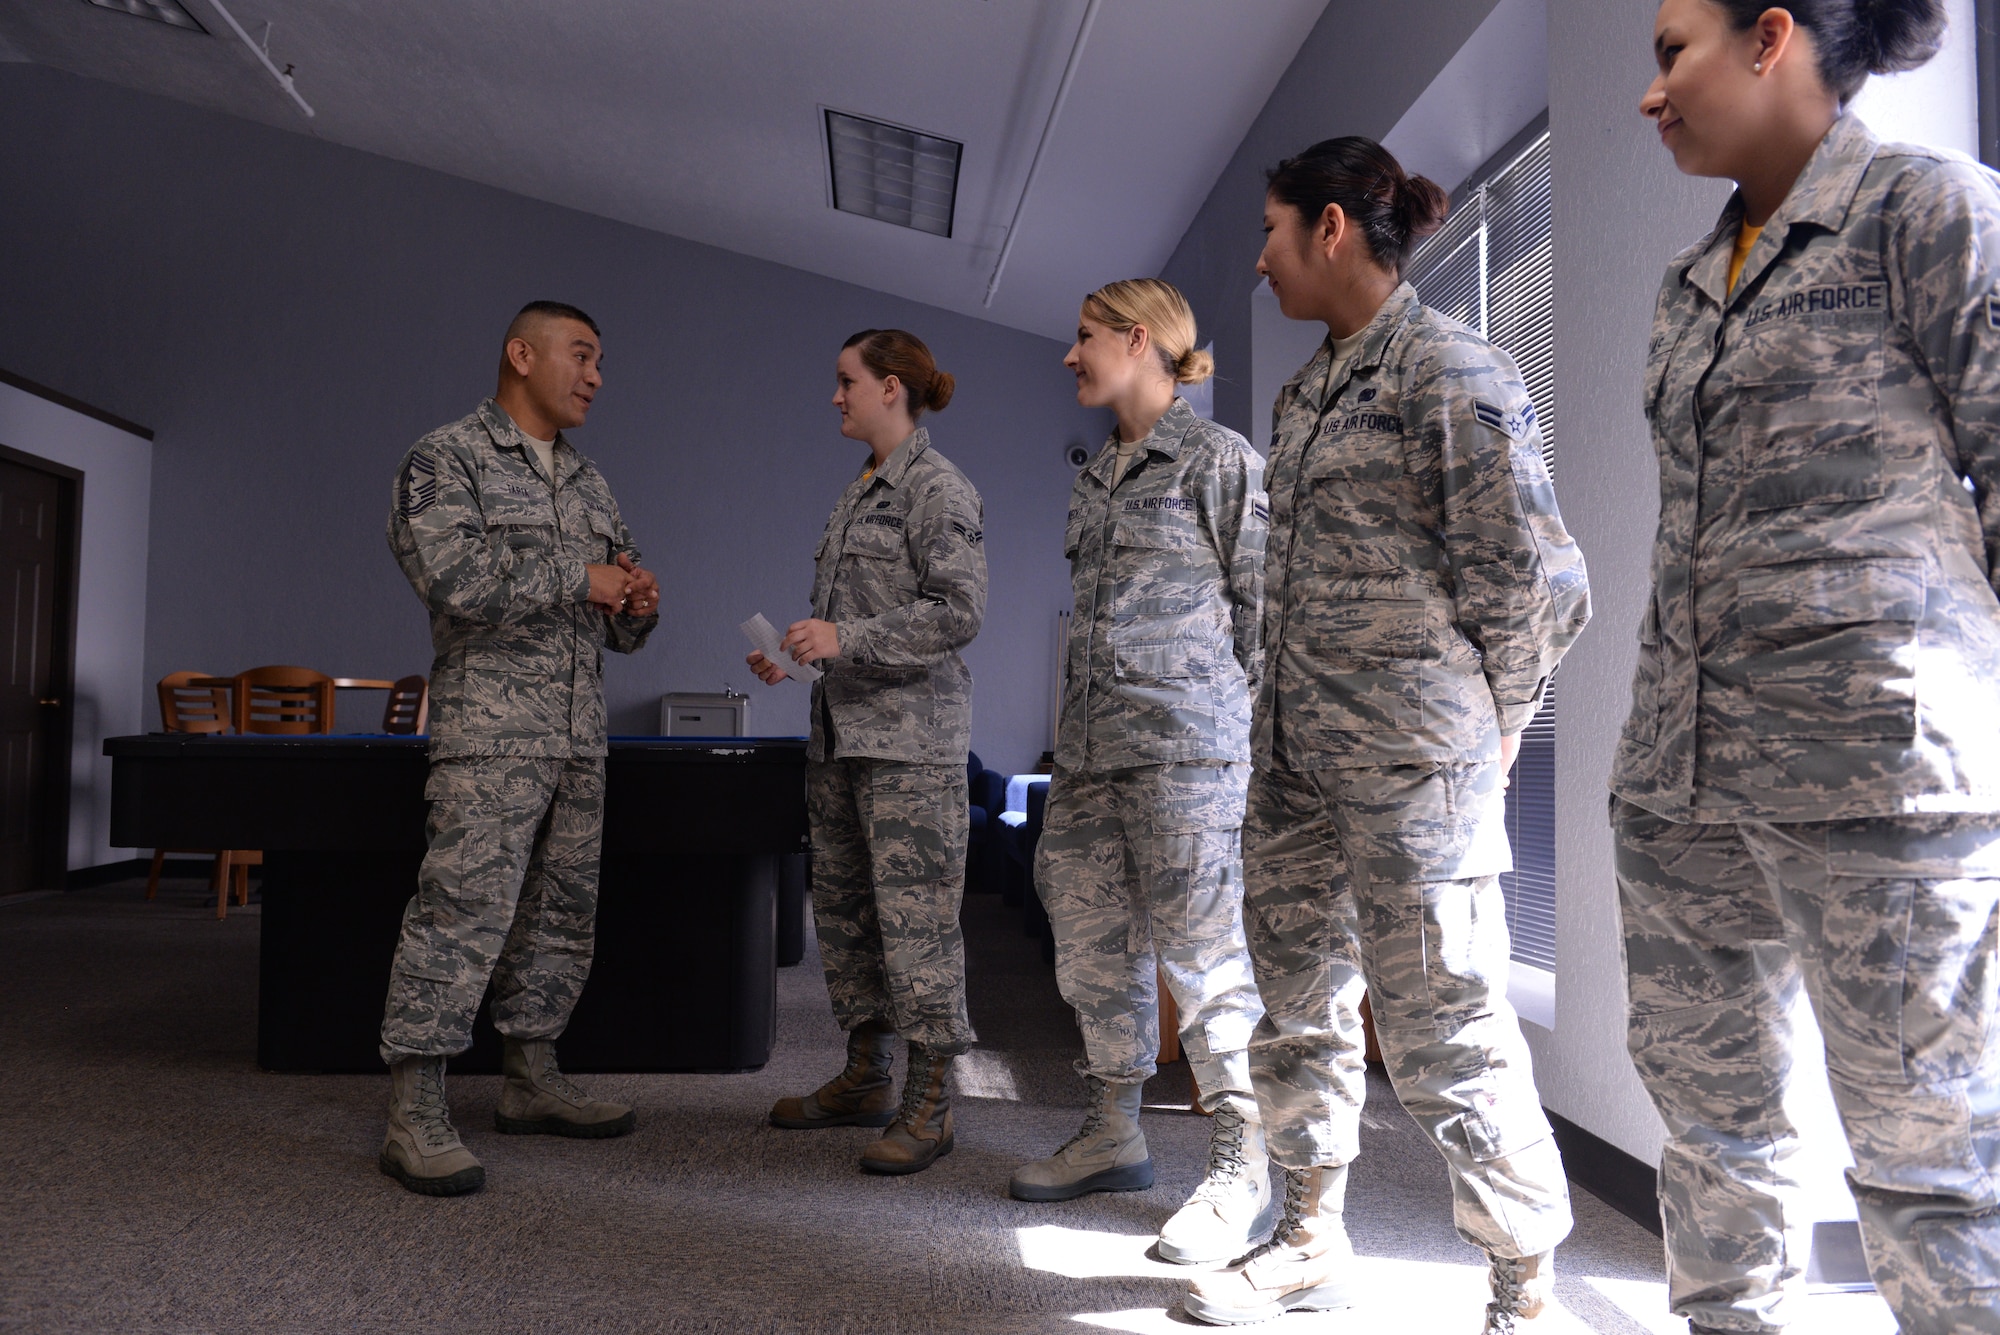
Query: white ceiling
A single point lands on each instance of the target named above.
(702, 119)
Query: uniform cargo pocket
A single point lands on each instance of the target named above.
(1643, 724)
(1364, 630)
(1810, 443)
(1144, 664)
(1839, 658)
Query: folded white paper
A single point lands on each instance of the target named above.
(764, 638)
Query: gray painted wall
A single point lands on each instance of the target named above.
(288, 316)
(1363, 66)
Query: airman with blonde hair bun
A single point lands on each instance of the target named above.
(1139, 863)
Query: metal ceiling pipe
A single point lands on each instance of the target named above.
(284, 79)
(1034, 167)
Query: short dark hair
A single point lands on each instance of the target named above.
(562, 310)
(1856, 38)
(1389, 207)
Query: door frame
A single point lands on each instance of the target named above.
(59, 734)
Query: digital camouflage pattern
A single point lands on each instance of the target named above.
(1168, 573)
(901, 574)
(1889, 922)
(1829, 443)
(1383, 882)
(888, 876)
(1419, 584)
(1141, 871)
(495, 900)
(497, 551)
(1838, 652)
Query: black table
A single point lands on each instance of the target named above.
(698, 835)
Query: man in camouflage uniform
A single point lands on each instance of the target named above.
(1420, 588)
(1806, 788)
(1140, 859)
(900, 578)
(513, 542)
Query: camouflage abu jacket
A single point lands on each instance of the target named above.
(1419, 584)
(1168, 572)
(498, 557)
(901, 574)
(1823, 639)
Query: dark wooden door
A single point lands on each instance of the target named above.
(30, 561)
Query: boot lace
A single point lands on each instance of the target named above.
(1503, 1314)
(1288, 1222)
(551, 1078)
(430, 1114)
(1225, 1155)
(916, 1088)
(1095, 1120)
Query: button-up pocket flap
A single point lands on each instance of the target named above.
(1171, 661)
(875, 537)
(1161, 526)
(1831, 593)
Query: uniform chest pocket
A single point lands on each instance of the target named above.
(875, 538)
(1809, 442)
(1350, 460)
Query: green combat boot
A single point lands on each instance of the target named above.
(861, 1095)
(1108, 1154)
(1233, 1206)
(921, 1133)
(423, 1151)
(1523, 1294)
(1308, 1263)
(537, 1099)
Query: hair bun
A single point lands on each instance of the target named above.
(1193, 367)
(1891, 36)
(1422, 204)
(942, 384)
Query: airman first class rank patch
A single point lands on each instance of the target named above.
(1993, 312)
(420, 486)
(1512, 425)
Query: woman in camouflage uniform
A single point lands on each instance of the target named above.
(1140, 863)
(899, 588)
(1807, 786)
(1419, 590)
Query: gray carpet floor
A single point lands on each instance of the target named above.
(153, 1178)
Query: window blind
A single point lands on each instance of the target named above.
(1490, 266)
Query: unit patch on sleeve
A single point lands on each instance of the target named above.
(420, 487)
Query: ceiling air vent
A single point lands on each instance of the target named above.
(885, 171)
(166, 11)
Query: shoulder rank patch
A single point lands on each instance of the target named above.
(420, 487)
(973, 536)
(1993, 312)
(1512, 425)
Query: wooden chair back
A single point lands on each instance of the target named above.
(409, 709)
(185, 708)
(285, 700)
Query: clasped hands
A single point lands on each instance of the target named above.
(624, 588)
(807, 641)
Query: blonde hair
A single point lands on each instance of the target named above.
(1160, 307)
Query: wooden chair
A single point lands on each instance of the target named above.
(408, 712)
(199, 709)
(285, 701)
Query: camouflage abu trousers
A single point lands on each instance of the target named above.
(508, 891)
(1890, 925)
(1385, 880)
(1141, 871)
(888, 872)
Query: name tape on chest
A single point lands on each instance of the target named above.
(420, 486)
(1137, 504)
(878, 518)
(1512, 425)
(1368, 421)
(1830, 303)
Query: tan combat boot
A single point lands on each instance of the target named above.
(537, 1099)
(1233, 1206)
(1523, 1294)
(921, 1133)
(863, 1094)
(1308, 1263)
(423, 1151)
(1108, 1154)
